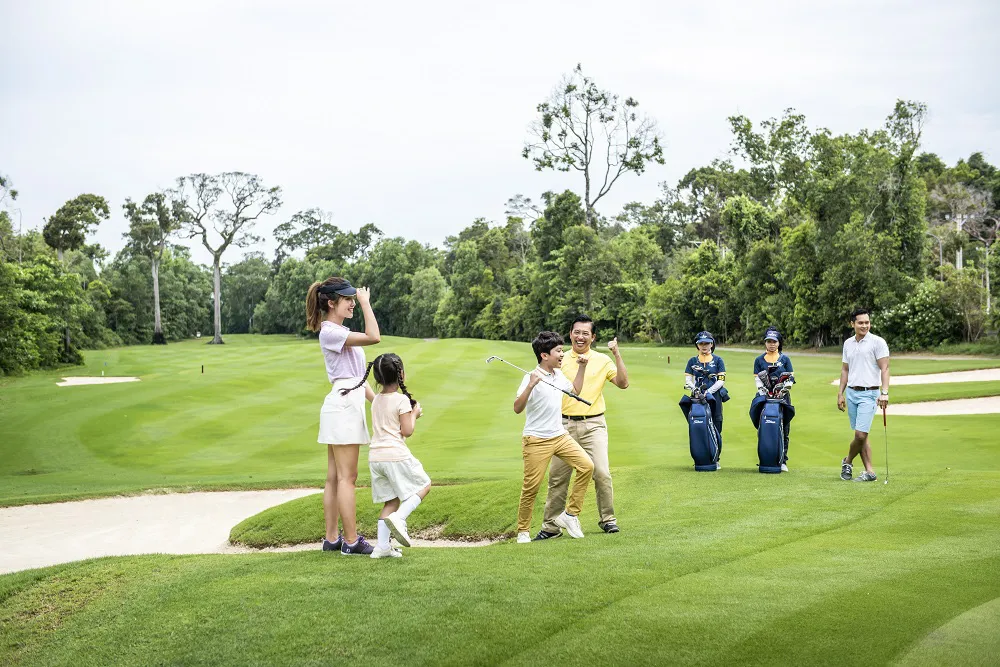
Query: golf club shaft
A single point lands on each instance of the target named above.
(885, 435)
(568, 393)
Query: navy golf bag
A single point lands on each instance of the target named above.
(771, 417)
(705, 439)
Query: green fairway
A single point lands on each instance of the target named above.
(731, 567)
(251, 419)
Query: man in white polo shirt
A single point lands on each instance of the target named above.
(864, 384)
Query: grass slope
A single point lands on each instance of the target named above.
(721, 568)
(711, 569)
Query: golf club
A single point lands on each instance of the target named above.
(568, 393)
(885, 432)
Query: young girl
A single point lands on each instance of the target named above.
(398, 478)
(708, 370)
(343, 426)
(775, 363)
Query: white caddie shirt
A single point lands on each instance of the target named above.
(543, 412)
(862, 358)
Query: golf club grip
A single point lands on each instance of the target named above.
(582, 400)
(883, 418)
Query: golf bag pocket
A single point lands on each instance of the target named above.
(703, 437)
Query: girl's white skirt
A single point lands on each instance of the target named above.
(342, 419)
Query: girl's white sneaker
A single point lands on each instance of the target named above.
(523, 538)
(387, 553)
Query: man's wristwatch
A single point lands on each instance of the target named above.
(884, 393)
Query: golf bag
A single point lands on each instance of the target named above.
(771, 417)
(704, 438)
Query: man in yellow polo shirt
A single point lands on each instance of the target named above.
(586, 425)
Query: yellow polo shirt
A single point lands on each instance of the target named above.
(600, 369)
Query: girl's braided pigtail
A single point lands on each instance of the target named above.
(345, 392)
(398, 363)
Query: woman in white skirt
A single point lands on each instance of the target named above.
(343, 426)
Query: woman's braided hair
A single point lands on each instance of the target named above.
(388, 369)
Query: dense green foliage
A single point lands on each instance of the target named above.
(801, 227)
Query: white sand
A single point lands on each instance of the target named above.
(982, 375)
(962, 406)
(81, 380)
(174, 523)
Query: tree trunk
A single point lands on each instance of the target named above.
(217, 294)
(158, 338)
(59, 254)
(586, 199)
(987, 263)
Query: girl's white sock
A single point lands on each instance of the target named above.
(383, 535)
(408, 506)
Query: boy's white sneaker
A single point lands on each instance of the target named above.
(397, 526)
(387, 553)
(570, 524)
(523, 537)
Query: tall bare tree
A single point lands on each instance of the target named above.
(958, 204)
(589, 130)
(222, 210)
(151, 224)
(984, 226)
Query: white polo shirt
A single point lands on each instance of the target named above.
(862, 358)
(543, 412)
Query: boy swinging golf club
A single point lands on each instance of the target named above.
(545, 436)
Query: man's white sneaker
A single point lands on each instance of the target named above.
(397, 526)
(570, 524)
(387, 553)
(784, 468)
(523, 538)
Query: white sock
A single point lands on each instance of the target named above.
(408, 506)
(383, 535)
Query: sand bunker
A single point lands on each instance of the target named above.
(983, 375)
(172, 523)
(80, 380)
(987, 405)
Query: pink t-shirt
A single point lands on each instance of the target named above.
(388, 443)
(342, 361)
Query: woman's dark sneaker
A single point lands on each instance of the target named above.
(846, 470)
(359, 548)
(546, 535)
(333, 546)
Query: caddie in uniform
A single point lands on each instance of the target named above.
(586, 425)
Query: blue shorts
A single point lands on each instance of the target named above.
(861, 407)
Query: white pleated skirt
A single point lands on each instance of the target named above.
(342, 419)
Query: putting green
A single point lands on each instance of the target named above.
(716, 568)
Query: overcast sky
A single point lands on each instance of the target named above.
(412, 115)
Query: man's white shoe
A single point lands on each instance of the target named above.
(523, 538)
(570, 524)
(387, 553)
(397, 526)
(784, 468)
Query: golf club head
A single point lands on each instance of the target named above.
(493, 358)
(765, 380)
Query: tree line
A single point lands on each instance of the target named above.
(796, 228)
